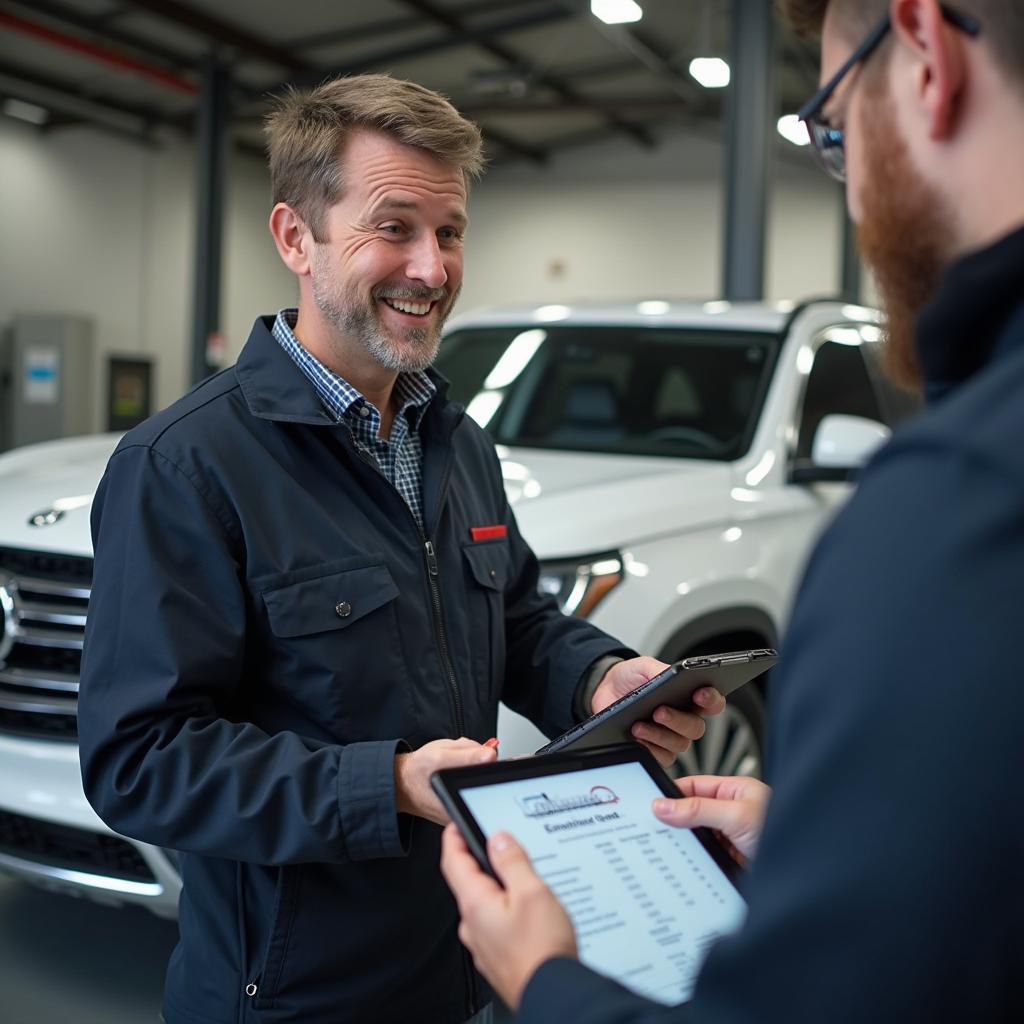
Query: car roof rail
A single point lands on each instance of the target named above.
(805, 304)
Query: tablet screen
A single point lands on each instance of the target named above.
(647, 901)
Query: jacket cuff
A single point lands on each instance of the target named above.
(366, 801)
(584, 695)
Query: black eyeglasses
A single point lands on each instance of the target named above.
(829, 142)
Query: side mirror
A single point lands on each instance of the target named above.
(842, 445)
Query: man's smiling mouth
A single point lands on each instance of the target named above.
(408, 306)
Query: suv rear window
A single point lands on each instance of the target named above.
(629, 390)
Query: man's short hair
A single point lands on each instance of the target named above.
(1002, 23)
(306, 131)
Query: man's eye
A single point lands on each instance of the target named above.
(449, 235)
(392, 229)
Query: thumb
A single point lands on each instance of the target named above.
(475, 753)
(698, 811)
(510, 861)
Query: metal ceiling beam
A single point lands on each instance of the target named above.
(216, 30)
(534, 154)
(390, 26)
(621, 105)
(72, 95)
(510, 57)
(93, 51)
(461, 37)
(61, 13)
(70, 110)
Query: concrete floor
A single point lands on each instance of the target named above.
(70, 961)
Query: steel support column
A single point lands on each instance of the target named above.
(749, 124)
(851, 280)
(211, 161)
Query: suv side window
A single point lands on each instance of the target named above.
(838, 383)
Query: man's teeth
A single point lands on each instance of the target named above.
(403, 306)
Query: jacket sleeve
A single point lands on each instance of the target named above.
(548, 654)
(885, 888)
(164, 661)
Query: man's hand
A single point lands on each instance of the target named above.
(413, 794)
(509, 931)
(672, 731)
(733, 808)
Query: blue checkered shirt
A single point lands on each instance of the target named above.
(400, 458)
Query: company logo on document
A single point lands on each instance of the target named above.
(540, 804)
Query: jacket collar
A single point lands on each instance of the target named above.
(274, 388)
(963, 327)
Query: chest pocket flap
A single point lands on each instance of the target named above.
(488, 562)
(328, 602)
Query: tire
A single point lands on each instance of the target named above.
(734, 741)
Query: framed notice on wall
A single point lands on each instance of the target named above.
(129, 391)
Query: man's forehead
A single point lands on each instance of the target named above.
(399, 202)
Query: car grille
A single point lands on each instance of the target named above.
(48, 596)
(74, 849)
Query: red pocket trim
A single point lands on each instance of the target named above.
(488, 532)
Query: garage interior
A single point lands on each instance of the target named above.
(135, 201)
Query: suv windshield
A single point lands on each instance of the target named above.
(630, 390)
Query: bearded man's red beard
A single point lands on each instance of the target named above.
(904, 236)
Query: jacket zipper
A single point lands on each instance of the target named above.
(433, 576)
(433, 579)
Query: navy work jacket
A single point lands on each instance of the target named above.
(268, 627)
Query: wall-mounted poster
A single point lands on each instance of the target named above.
(129, 391)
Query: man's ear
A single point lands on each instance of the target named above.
(293, 239)
(937, 49)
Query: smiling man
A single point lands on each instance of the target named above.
(887, 885)
(310, 593)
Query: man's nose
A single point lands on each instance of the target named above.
(426, 263)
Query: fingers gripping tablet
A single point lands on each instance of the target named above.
(674, 687)
(647, 900)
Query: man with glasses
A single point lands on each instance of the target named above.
(887, 885)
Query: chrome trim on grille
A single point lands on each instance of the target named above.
(53, 588)
(45, 625)
(64, 682)
(79, 878)
(46, 638)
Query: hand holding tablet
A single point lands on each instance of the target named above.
(673, 688)
(646, 900)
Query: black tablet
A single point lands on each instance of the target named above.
(647, 901)
(674, 687)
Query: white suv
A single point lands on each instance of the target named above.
(669, 464)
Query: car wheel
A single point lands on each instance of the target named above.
(732, 744)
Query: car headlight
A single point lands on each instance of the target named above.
(580, 584)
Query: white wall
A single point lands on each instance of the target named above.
(100, 227)
(103, 228)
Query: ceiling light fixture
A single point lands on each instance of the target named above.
(792, 129)
(26, 111)
(616, 12)
(711, 72)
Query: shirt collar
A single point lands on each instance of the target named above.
(958, 331)
(413, 390)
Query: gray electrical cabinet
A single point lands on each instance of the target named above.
(51, 366)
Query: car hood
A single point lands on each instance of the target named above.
(55, 481)
(567, 503)
(570, 503)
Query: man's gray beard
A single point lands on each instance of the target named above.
(362, 323)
